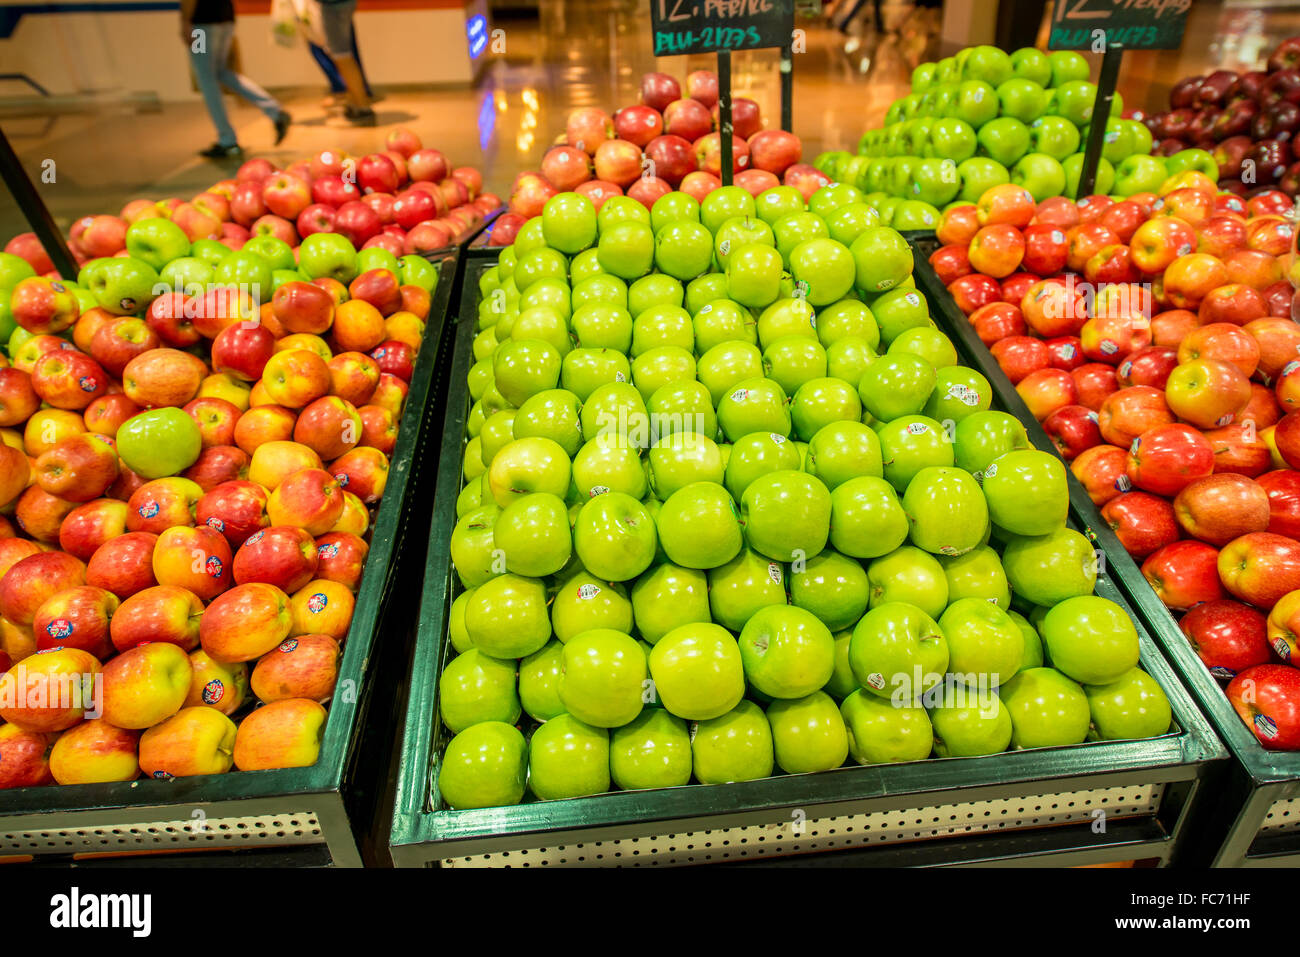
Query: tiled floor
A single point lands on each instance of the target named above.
(591, 52)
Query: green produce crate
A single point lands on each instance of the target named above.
(304, 816)
(1254, 819)
(1104, 801)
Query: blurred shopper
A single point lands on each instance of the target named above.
(332, 21)
(338, 89)
(208, 28)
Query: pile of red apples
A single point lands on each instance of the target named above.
(1153, 340)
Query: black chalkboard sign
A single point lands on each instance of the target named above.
(705, 26)
(1136, 24)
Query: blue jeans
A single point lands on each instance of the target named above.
(211, 73)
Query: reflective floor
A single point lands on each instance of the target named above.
(574, 53)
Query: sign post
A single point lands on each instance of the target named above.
(34, 209)
(706, 26)
(1109, 28)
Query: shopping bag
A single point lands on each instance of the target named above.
(284, 22)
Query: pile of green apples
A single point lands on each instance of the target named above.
(985, 117)
(731, 505)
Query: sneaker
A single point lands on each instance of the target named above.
(218, 152)
(352, 116)
(282, 122)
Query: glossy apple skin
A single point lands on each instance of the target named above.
(1260, 568)
(1218, 508)
(1228, 636)
(1101, 470)
(1168, 458)
(1143, 523)
(1267, 699)
(1283, 489)
(1184, 574)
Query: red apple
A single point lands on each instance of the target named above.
(1143, 523)
(1227, 636)
(1184, 574)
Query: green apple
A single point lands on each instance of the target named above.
(793, 360)
(1032, 64)
(1004, 140)
(808, 733)
(159, 442)
(190, 275)
(1140, 174)
(1039, 173)
(615, 537)
(984, 644)
(842, 683)
(755, 454)
(977, 574)
(946, 511)
(474, 688)
(568, 758)
(969, 722)
(683, 249)
(1074, 100)
(793, 229)
(848, 222)
(896, 384)
(1132, 706)
(785, 318)
(914, 214)
(928, 343)
(722, 321)
(674, 207)
(661, 366)
(787, 651)
(923, 77)
(822, 402)
(536, 322)
(585, 602)
(833, 588)
(899, 310)
(1054, 136)
(987, 63)
(786, 515)
(553, 414)
(1142, 138)
(754, 405)
(601, 289)
(698, 671)
(668, 596)
(1047, 709)
(1090, 639)
(13, 270)
(723, 204)
(569, 222)
(584, 265)
(981, 437)
(621, 209)
(698, 526)
(743, 586)
(417, 271)
(682, 459)
(824, 269)
(848, 358)
(847, 319)
(958, 393)
(830, 198)
(507, 616)
(1023, 99)
(156, 241)
(470, 498)
(867, 519)
(681, 407)
(523, 367)
(653, 751)
(1104, 183)
(280, 255)
(654, 291)
(124, 286)
(627, 249)
(247, 270)
(898, 652)
(1067, 66)
(702, 290)
(908, 574)
(539, 682)
(736, 746)
(1027, 492)
(727, 364)
(473, 547)
(486, 765)
(978, 175)
(609, 463)
(910, 443)
(603, 678)
(532, 533)
(840, 451)
(953, 139)
(601, 325)
(531, 236)
(1048, 569)
(736, 233)
(328, 254)
(583, 371)
(528, 465)
(882, 259)
(882, 732)
(771, 204)
(1033, 642)
(754, 275)
(616, 408)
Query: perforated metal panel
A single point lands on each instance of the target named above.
(801, 835)
(278, 829)
(1284, 815)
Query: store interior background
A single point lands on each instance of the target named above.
(111, 144)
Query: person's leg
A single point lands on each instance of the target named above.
(336, 24)
(327, 67)
(238, 83)
(204, 59)
(356, 55)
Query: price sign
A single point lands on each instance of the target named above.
(1136, 24)
(705, 26)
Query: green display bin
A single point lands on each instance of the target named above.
(316, 815)
(1096, 802)
(1254, 819)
